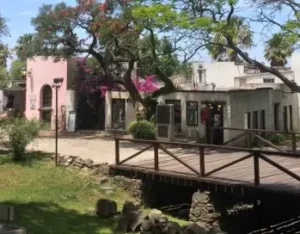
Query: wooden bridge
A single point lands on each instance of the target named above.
(224, 167)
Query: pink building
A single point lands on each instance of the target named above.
(40, 93)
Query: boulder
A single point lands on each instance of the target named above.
(147, 225)
(173, 228)
(103, 180)
(155, 215)
(137, 222)
(79, 163)
(126, 221)
(106, 208)
(163, 219)
(129, 206)
(89, 163)
(194, 229)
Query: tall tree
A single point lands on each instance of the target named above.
(4, 52)
(112, 37)
(202, 19)
(277, 50)
(243, 37)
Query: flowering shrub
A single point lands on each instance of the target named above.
(147, 85)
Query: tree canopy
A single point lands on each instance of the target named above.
(110, 32)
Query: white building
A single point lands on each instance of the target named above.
(241, 96)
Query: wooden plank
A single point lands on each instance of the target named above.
(267, 142)
(136, 154)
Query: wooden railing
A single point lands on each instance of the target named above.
(201, 171)
(251, 134)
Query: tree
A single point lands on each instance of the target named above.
(243, 37)
(277, 50)
(113, 38)
(24, 47)
(16, 69)
(200, 20)
(4, 52)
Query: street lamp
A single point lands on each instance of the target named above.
(57, 82)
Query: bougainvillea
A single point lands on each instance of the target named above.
(146, 85)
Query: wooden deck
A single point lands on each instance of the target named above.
(237, 167)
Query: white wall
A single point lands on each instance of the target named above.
(220, 73)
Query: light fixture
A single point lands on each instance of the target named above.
(57, 82)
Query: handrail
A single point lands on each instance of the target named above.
(256, 154)
(255, 130)
(232, 148)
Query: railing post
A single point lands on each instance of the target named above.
(117, 150)
(156, 164)
(294, 145)
(249, 141)
(202, 161)
(256, 169)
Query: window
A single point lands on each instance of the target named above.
(47, 96)
(201, 74)
(276, 116)
(262, 119)
(269, 80)
(285, 118)
(291, 117)
(192, 113)
(255, 120)
(249, 120)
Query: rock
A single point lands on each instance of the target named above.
(89, 163)
(163, 219)
(129, 206)
(159, 228)
(194, 229)
(137, 222)
(106, 208)
(103, 180)
(126, 220)
(173, 228)
(79, 163)
(155, 215)
(86, 169)
(216, 230)
(147, 225)
(9, 229)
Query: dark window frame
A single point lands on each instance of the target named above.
(197, 114)
(249, 123)
(291, 117)
(47, 96)
(262, 119)
(285, 119)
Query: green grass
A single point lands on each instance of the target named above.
(51, 200)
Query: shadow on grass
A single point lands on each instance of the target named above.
(29, 159)
(49, 218)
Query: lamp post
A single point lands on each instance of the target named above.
(56, 84)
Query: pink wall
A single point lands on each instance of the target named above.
(42, 73)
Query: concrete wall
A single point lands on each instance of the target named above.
(220, 73)
(42, 73)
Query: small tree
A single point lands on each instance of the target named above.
(20, 133)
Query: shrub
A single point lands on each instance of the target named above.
(275, 138)
(142, 130)
(20, 132)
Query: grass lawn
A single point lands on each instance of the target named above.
(50, 200)
(53, 200)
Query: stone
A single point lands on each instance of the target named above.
(6, 213)
(147, 225)
(155, 215)
(173, 228)
(216, 230)
(86, 169)
(163, 219)
(125, 221)
(158, 228)
(106, 208)
(129, 206)
(89, 163)
(194, 229)
(79, 163)
(137, 222)
(103, 180)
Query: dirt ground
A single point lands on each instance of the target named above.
(96, 146)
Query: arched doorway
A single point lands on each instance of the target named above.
(46, 103)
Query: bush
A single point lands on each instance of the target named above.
(142, 130)
(20, 132)
(275, 138)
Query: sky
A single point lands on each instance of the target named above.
(18, 14)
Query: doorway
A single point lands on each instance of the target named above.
(177, 114)
(215, 119)
(118, 114)
(91, 112)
